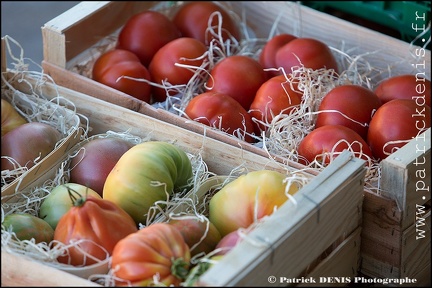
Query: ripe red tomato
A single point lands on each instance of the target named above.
(98, 223)
(321, 144)
(184, 50)
(145, 33)
(116, 63)
(239, 76)
(223, 112)
(267, 56)
(192, 20)
(399, 119)
(312, 54)
(405, 87)
(274, 97)
(157, 250)
(356, 102)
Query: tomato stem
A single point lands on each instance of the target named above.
(76, 201)
(180, 268)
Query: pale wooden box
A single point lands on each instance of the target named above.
(389, 248)
(327, 217)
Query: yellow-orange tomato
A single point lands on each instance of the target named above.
(10, 118)
(247, 199)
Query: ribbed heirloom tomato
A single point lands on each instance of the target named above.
(348, 105)
(155, 252)
(164, 65)
(239, 76)
(326, 142)
(275, 96)
(395, 123)
(223, 112)
(110, 66)
(145, 33)
(193, 18)
(405, 86)
(95, 225)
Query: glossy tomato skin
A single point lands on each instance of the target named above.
(58, 202)
(356, 102)
(184, 50)
(155, 250)
(228, 242)
(145, 33)
(28, 142)
(131, 183)
(320, 144)
(27, 226)
(398, 119)
(10, 118)
(118, 62)
(268, 53)
(239, 76)
(192, 20)
(275, 96)
(312, 53)
(95, 160)
(249, 197)
(405, 87)
(223, 112)
(95, 219)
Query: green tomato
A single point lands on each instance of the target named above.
(27, 227)
(146, 173)
(59, 201)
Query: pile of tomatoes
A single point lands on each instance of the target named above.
(195, 54)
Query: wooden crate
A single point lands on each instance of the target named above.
(315, 235)
(389, 248)
(24, 101)
(396, 225)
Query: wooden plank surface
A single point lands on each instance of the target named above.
(19, 271)
(294, 243)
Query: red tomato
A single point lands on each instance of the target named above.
(321, 144)
(116, 63)
(183, 50)
(192, 20)
(267, 56)
(405, 87)
(312, 54)
(98, 223)
(145, 33)
(274, 97)
(238, 76)
(221, 111)
(399, 119)
(356, 102)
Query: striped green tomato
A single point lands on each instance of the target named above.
(146, 173)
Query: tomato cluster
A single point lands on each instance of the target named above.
(372, 124)
(154, 53)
